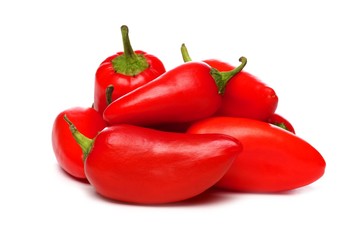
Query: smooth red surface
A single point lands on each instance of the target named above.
(245, 95)
(272, 160)
(67, 152)
(183, 94)
(142, 165)
(106, 75)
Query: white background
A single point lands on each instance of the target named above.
(308, 51)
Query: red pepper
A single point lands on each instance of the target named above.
(245, 95)
(123, 72)
(189, 92)
(272, 160)
(282, 122)
(67, 151)
(142, 165)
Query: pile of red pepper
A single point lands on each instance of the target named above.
(154, 136)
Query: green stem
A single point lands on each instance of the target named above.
(281, 125)
(128, 50)
(185, 54)
(129, 63)
(222, 78)
(84, 142)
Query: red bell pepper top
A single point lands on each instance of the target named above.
(123, 72)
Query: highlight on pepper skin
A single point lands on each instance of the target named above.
(156, 136)
(145, 166)
(273, 159)
(124, 71)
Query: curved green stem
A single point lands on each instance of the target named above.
(84, 142)
(129, 63)
(222, 78)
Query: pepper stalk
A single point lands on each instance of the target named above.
(129, 63)
(84, 142)
(221, 78)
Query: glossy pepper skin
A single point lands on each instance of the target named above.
(144, 166)
(123, 72)
(188, 92)
(245, 95)
(280, 121)
(67, 152)
(273, 159)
